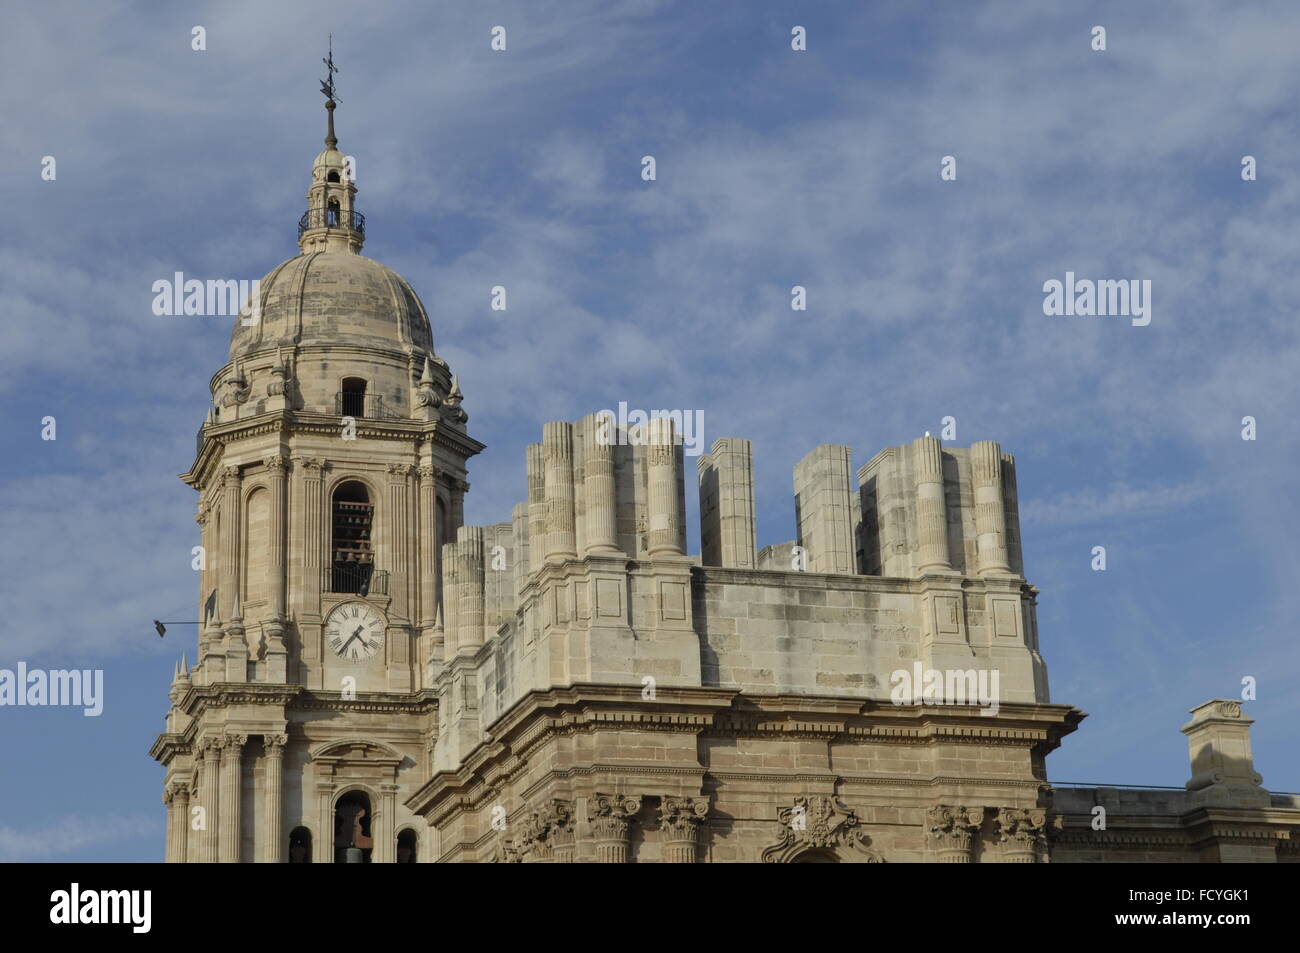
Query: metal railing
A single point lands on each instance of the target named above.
(331, 218)
(367, 406)
(361, 578)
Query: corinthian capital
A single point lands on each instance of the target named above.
(611, 815)
(681, 817)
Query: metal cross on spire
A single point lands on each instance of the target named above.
(327, 85)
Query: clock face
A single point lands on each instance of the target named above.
(354, 631)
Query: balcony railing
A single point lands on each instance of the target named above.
(367, 406)
(361, 578)
(331, 218)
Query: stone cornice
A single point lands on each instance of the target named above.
(216, 437)
(539, 716)
(856, 582)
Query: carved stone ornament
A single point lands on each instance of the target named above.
(953, 830)
(820, 823)
(610, 815)
(545, 829)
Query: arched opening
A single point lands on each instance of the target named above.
(332, 213)
(332, 177)
(352, 839)
(406, 846)
(352, 559)
(816, 857)
(352, 398)
(300, 846)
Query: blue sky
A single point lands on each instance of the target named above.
(775, 168)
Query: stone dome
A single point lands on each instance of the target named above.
(335, 298)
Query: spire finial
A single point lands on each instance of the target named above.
(331, 94)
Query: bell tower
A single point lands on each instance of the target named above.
(330, 470)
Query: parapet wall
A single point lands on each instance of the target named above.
(916, 568)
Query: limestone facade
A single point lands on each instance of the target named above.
(375, 680)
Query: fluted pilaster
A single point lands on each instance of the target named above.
(209, 799)
(232, 749)
(273, 846)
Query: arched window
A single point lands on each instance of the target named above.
(351, 556)
(352, 399)
(300, 846)
(352, 839)
(332, 213)
(406, 846)
(332, 177)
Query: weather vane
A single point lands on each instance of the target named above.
(327, 85)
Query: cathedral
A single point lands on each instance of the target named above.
(377, 682)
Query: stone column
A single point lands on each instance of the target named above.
(954, 830)
(385, 827)
(277, 657)
(562, 839)
(231, 517)
(598, 478)
(399, 548)
(181, 836)
(824, 507)
(428, 546)
(611, 817)
(680, 820)
(322, 845)
(662, 489)
(931, 513)
(536, 460)
(519, 532)
(1023, 831)
(236, 645)
(273, 847)
(990, 507)
(232, 749)
(305, 568)
(727, 536)
(557, 448)
(450, 598)
(456, 513)
(168, 797)
(470, 594)
(211, 778)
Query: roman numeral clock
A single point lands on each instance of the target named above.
(354, 631)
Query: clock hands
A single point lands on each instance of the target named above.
(354, 635)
